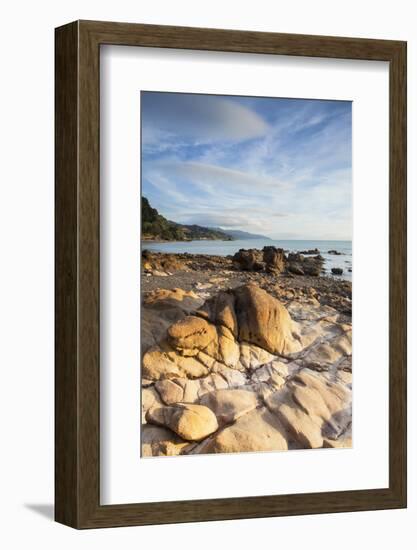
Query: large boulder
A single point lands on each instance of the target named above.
(241, 329)
(264, 321)
(220, 310)
(190, 422)
(161, 308)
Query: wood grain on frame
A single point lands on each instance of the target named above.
(77, 370)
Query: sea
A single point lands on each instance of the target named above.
(226, 248)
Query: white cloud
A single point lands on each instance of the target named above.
(211, 176)
(293, 181)
(197, 117)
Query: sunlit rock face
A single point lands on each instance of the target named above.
(242, 372)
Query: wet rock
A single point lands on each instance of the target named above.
(337, 271)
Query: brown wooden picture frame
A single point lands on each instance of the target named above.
(77, 374)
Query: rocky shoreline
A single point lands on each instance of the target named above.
(244, 353)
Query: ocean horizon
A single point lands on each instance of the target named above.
(226, 248)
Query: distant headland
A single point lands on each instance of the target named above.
(156, 227)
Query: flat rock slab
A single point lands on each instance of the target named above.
(259, 430)
(229, 405)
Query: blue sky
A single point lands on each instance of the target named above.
(279, 167)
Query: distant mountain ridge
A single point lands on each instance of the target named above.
(157, 227)
(243, 235)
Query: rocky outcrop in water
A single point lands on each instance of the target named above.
(311, 251)
(274, 260)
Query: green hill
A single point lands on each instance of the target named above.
(156, 227)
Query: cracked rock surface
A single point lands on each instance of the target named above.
(251, 367)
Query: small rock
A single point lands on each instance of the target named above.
(203, 286)
(190, 422)
(217, 280)
(157, 273)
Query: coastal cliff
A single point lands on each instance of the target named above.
(157, 227)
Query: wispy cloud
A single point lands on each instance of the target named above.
(280, 166)
(175, 119)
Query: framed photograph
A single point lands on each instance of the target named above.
(230, 274)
